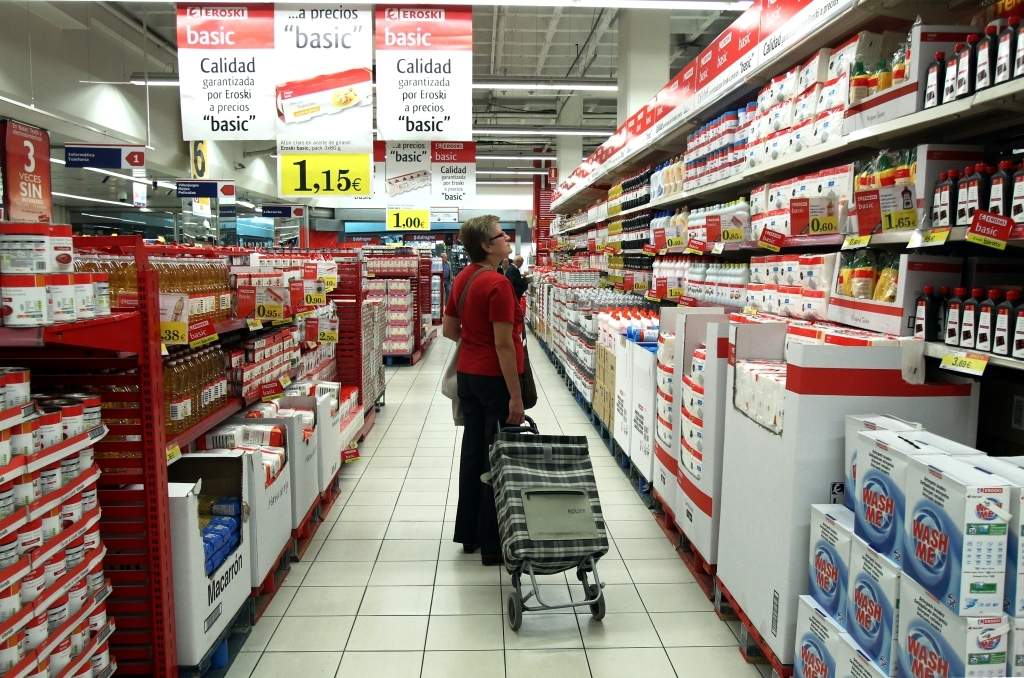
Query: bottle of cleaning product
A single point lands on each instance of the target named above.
(969, 318)
(966, 64)
(949, 86)
(942, 298)
(1006, 317)
(985, 58)
(935, 81)
(986, 319)
(953, 308)
(924, 324)
(978, 190)
(1018, 52)
(1001, 190)
(1006, 49)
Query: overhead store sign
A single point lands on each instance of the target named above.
(206, 188)
(724, 63)
(26, 173)
(452, 172)
(784, 23)
(226, 71)
(104, 156)
(282, 211)
(324, 95)
(407, 173)
(424, 73)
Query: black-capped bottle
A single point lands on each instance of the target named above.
(959, 216)
(969, 318)
(940, 315)
(953, 309)
(987, 319)
(949, 75)
(1006, 317)
(948, 199)
(927, 305)
(985, 58)
(1006, 49)
(936, 212)
(1018, 52)
(1001, 188)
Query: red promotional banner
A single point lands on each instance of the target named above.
(26, 152)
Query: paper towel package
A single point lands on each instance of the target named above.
(817, 641)
(954, 532)
(856, 423)
(880, 483)
(1015, 648)
(934, 641)
(829, 563)
(873, 603)
(1008, 469)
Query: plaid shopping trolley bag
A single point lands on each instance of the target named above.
(549, 514)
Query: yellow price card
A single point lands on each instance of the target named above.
(823, 225)
(173, 332)
(316, 298)
(965, 362)
(408, 219)
(929, 238)
(327, 336)
(330, 283)
(852, 242)
(303, 175)
(270, 311)
(285, 381)
(254, 324)
(173, 453)
(899, 220)
(732, 234)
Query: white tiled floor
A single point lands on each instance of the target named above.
(384, 593)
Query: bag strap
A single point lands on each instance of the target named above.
(462, 297)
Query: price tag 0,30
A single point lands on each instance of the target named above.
(929, 238)
(852, 242)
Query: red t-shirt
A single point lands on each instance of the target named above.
(490, 299)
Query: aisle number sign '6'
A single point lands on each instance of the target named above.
(303, 175)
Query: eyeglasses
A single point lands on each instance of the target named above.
(495, 237)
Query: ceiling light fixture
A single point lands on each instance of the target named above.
(522, 172)
(578, 85)
(87, 199)
(516, 157)
(126, 221)
(246, 204)
(505, 182)
(543, 131)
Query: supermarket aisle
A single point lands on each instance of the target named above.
(385, 593)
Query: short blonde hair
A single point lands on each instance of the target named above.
(475, 233)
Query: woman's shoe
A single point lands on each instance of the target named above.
(469, 548)
(491, 559)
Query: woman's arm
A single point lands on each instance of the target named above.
(450, 328)
(506, 349)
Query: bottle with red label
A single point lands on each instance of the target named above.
(936, 213)
(1017, 195)
(1001, 190)
(1018, 52)
(969, 318)
(1017, 334)
(972, 193)
(935, 81)
(949, 76)
(1006, 318)
(940, 312)
(1005, 49)
(966, 64)
(985, 58)
(953, 307)
(987, 319)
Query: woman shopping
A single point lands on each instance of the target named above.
(483, 315)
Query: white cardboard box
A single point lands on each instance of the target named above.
(954, 532)
(804, 465)
(873, 604)
(623, 420)
(865, 422)
(853, 663)
(1009, 469)
(934, 641)
(302, 458)
(828, 566)
(1015, 648)
(641, 415)
(818, 639)
(204, 606)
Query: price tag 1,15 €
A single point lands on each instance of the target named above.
(303, 175)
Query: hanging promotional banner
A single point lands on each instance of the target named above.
(452, 172)
(226, 71)
(424, 73)
(407, 174)
(324, 95)
(138, 195)
(26, 173)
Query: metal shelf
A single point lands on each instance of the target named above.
(937, 349)
(117, 332)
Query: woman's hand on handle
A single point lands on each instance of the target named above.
(516, 411)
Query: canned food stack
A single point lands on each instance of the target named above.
(51, 559)
(39, 283)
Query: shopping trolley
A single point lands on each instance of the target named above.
(549, 515)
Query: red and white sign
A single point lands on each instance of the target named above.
(424, 72)
(452, 172)
(784, 23)
(26, 152)
(226, 71)
(728, 59)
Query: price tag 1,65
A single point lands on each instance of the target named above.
(403, 219)
(303, 175)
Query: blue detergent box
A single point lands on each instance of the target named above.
(829, 558)
(818, 641)
(873, 604)
(955, 532)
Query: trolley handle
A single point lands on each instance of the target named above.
(528, 426)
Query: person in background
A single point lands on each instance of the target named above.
(446, 272)
(490, 328)
(514, 273)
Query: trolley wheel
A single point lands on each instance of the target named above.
(596, 609)
(514, 607)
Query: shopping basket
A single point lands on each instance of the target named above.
(549, 515)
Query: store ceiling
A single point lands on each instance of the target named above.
(544, 43)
